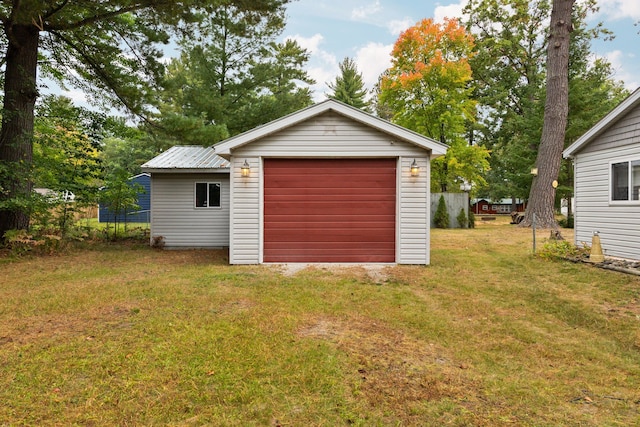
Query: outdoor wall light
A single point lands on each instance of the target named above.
(534, 171)
(245, 169)
(415, 169)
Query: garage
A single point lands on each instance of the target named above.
(329, 184)
(330, 210)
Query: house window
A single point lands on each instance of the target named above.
(208, 194)
(625, 181)
(485, 207)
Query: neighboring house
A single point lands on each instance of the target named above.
(55, 196)
(141, 213)
(607, 181)
(503, 206)
(328, 183)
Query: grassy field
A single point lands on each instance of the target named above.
(488, 335)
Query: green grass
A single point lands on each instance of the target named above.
(487, 335)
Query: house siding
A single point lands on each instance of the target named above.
(617, 224)
(625, 131)
(175, 218)
(414, 214)
(330, 135)
(245, 246)
(143, 199)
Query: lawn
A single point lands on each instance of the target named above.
(488, 335)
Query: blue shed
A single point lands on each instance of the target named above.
(142, 214)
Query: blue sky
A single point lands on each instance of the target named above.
(365, 30)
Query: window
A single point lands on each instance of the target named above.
(485, 207)
(625, 181)
(208, 194)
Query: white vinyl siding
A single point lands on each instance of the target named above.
(330, 135)
(246, 227)
(625, 131)
(618, 223)
(414, 212)
(175, 217)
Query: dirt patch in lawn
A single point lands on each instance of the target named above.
(394, 370)
(376, 273)
(28, 330)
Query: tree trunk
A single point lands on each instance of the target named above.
(543, 192)
(16, 134)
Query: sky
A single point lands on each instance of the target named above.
(365, 30)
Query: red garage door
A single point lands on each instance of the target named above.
(329, 210)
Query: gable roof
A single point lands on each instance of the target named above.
(609, 120)
(187, 158)
(225, 148)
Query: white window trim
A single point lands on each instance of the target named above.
(630, 180)
(195, 185)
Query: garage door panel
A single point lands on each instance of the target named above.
(328, 221)
(329, 210)
(335, 209)
(354, 183)
(331, 255)
(319, 234)
(337, 194)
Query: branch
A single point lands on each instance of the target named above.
(8, 23)
(102, 75)
(55, 10)
(98, 17)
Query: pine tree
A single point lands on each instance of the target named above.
(349, 86)
(441, 218)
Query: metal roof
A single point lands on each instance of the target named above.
(187, 158)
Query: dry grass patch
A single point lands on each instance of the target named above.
(395, 373)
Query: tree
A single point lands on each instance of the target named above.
(101, 47)
(119, 196)
(65, 162)
(441, 217)
(126, 154)
(427, 89)
(542, 197)
(349, 87)
(509, 75)
(233, 78)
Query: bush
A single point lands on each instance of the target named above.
(441, 218)
(463, 221)
(562, 249)
(566, 222)
(472, 219)
(21, 242)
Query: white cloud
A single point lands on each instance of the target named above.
(397, 26)
(453, 10)
(310, 43)
(322, 66)
(620, 9)
(617, 58)
(372, 60)
(363, 12)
